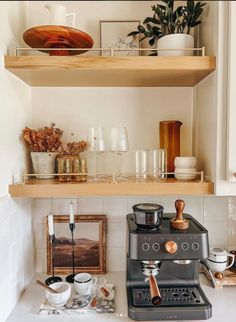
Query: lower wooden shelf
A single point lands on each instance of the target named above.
(38, 188)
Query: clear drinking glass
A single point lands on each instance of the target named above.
(119, 144)
(96, 144)
(141, 164)
(158, 164)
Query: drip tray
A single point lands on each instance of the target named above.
(186, 296)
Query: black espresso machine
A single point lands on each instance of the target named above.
(163, 256)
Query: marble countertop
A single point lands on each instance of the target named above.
(222, 300)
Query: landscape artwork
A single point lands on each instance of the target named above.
(89, 245)
(113, 33)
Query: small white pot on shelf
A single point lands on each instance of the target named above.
(175, 41)
(44, 163)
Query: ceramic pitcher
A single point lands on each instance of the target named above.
(58, 15)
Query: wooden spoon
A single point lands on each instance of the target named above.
(47, 287)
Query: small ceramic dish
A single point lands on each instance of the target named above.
(61, 298)
(185, 173)
(185, 162)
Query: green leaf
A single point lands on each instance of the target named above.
(152, 20)
(152, 41)
(133, 33)
(141, 29)
(195, 23)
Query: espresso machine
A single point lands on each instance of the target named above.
(163, 256)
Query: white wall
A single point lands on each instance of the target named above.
(16, 239)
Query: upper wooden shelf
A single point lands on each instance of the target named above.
(38, 188)
(138, 71)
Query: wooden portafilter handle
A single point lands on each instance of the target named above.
(154, 291)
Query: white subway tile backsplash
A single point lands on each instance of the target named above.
(232, 208)
(41, 260)
(217, 232)
(28, 257)
(39, 235)
(115, 208)
(62, 206)
(17, 264)
(16, 225)
(116, 234)
(194, 207)
(215, 209)
(4, 230)
(116, 258)
(90, 206)
(232, 231)
(41, 208)
(5, 267)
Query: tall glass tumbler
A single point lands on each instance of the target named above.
(158, 164)
(119, 144)
(141, 164)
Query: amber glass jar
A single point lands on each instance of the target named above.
(170, 140)
(72, 164)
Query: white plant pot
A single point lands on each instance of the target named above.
(44, 162)
(175, 41)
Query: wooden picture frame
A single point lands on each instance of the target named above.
(113, 33)
(90, 241)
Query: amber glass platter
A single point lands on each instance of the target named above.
(57, 37)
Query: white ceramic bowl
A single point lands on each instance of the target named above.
(59, 299)
(185, 173)
(185, 162)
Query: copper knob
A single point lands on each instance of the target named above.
(171, 247)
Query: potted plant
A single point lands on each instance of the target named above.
(169, 27)
(44, 143)
(69, 161)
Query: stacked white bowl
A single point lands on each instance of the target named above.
(185, 168)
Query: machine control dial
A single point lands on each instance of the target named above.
(195, 246)
(185, 246)
(155, 247)
(171, 247)
(145, 247)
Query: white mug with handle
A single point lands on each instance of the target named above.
(58, 15)
(84, 283)
(218, 259)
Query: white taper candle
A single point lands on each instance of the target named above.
(50, 225)
(72, 214)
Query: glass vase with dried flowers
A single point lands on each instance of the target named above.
(70, 161)
(43, 143)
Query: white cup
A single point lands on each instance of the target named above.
(84, 283)
(218, 259)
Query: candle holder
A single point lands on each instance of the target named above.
(53, 278)
(70, 278)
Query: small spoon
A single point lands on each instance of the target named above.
(47, 287)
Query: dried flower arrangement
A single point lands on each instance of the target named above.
(45, 139)
(72, 148)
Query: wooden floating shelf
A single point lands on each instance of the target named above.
(39, 188)
(136, 71)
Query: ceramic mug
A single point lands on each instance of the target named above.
(84, 283)
(218, 259)
(233, 267)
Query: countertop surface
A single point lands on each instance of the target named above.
(222, 300)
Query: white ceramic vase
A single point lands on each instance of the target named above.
(44, 163)
(175, 41)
